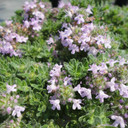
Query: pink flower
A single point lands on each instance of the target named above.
(67, 42)
(56, 71)
(11, 98)
(4, 95)
(29, 5)
(21, 39)
(50, 41)
(66, 33)
(17, 110)
(9, 109)
(15, 101)
(88, 10)
(8, 22)
(74, 9)
(84, 46)
(88, 28)
(79, 19)
(61, 4)
(126, 115)
(93, 51)
(102, 96)
(17, 96)
(56, 104)
(52, 87)
(76, 104)
(64, 25)
(11, 121)
(107, 43)
(70, 100)
(84, 38)
(35, 24)
(67, 81)
(118, 121)
(122, 61)
(123, 90)
(11, 88)
(94, 68)
(10, 37)
(83, 91)
(103, 68)
(26, 6)
(41, 5)
(38, 14)
(86, 92)
(26, 24)
(111, 84)
(100, 39)
(111, 62)
(68, 14)
(73, 48)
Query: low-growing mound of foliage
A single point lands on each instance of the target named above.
(63, 67)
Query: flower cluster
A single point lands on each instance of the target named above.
(107, 78)
(81, 34)
(33, 16)
(101, 94)
(9, 102)
(83, 38)
(61, 86)
(110, 75)
(9, 40)
(71, 10)
(106, 81)
(14, 33)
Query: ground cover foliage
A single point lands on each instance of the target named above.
(64, 67)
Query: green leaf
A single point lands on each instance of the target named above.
(45, 126)
(97, 121)
(76, 68)
(97, 111)
(109, 127)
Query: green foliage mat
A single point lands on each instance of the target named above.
(31, 71)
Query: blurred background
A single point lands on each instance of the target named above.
(113, 13)
(8, 7)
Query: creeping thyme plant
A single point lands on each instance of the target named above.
(62, 68)
(9, 105)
